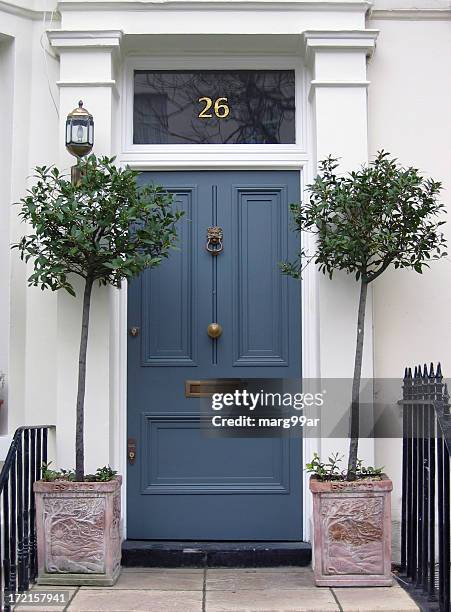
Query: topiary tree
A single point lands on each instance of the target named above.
(378, 216)
(103, 229)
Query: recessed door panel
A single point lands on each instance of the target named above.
(176, 449)
(169, 329)
(261, 290)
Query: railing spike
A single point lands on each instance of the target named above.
(425, 371)
(439, 371)
(426, 484)
(409, 372)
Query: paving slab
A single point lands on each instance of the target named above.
(36, 608)
(288, 589)
(168, 570)
(272, 600)
(280, 570)
(160, 580)
(377, 599)
(237, 580)
(134, 600)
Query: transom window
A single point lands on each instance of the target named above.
(214, 107)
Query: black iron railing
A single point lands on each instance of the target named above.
(23, 465)
(425, 521)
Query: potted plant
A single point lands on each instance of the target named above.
(378, 216)
(104, 229)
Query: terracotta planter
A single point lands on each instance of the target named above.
(352, 532)
(78, 532)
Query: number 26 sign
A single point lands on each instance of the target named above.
(219, 107)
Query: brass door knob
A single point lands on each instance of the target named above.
(214, 330)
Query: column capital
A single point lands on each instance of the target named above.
(86, 56)
(62, 40)
(339, 40)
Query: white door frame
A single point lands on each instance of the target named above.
(221, 157)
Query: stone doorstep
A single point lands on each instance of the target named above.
(144, 553)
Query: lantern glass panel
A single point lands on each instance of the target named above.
(79, 131)
(91, 133)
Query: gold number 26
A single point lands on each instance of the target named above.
(220, 107)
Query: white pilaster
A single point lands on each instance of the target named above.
(336, 60)
(87, 61)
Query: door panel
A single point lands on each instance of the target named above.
(168, 315)
(261, 320)
(175, 460)
(184, 484)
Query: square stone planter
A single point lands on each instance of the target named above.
(78, 532)
(352, 532)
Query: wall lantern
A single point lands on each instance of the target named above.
(79, 135)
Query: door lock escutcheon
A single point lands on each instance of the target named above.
(131, 450)
(134, 331)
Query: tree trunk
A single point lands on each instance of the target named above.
(79, 433)
(355, 402)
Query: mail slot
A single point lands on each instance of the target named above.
(206, 388)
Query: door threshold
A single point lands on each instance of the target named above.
(159, 553)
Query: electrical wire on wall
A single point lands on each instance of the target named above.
(48, 52)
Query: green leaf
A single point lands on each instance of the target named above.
(105, 227)
(375, 217)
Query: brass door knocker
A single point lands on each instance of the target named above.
(214, 240)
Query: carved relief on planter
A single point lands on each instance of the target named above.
(74, 534)
(352, 533)
(78, 530)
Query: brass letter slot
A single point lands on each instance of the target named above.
(206, 388)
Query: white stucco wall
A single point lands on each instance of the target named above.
(410, 4)
(6, 110)
(409, 106)
(30, 139)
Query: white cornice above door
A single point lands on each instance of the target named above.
(213, 16)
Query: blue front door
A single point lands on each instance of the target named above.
(184, 485)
